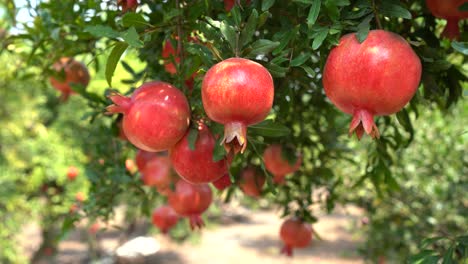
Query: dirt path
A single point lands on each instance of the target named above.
(248, 237)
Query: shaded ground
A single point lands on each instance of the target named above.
(242, 237)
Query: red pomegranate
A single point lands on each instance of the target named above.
(448, 9)
(229, 4)
(155, 117)
(128, 5)
(197, 166)
(94, 228)
(80, 197)
(143, 157)
(251, 181)
(223, 182)
(165, 218)
(157, 173)
(72, 173)
(277, 165)
(376, 77)
(295, 234)
(237, 92)
(191, 201)
(75, 73)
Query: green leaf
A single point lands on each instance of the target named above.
(133, 19)
(249, 29)
(236, 15)
(319, 38)
(299, 60)
(313, 12)
(461, 47)
(276, 70)
(448, 256)
(463, 7)
(266, 4)
(102, 31)
(394, 9)
(363, 28)
(269, 128)
(219, 152)
(286, 38)
(229, 33)
(309, 70)
(113, 59)
(192, 138)
(263, 46)
(132, 38)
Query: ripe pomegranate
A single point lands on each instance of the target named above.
(80, 197)
(143, 157)
(251, 181)
(165, 218)
(448, 9)
(72, 173)
(128, 5)
(223, 182)
(197, 166)
(295, 234)
(191, 201)
(229, 4)
(277, 165)
(376, 77)
(237, 92)
(75, 73)
(94, 228)
(155, 117)
(157, 173)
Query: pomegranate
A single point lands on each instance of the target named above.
(130, 165)
(277, 165)
(295, 234)
(448, 9)
(191, 201)
(94, 228)
(80, 197)
(157, 173)
(229, 4)
(75, 73)
(237, 92)
(165, 218)
(223, 182)
(143, 157)
(128, 5)
(376, 77)
(121, 135)
(197, 166)
(155, 117)
(72, 173)
(251, 181)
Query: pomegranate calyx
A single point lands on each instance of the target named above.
(196, 221)
(287, 250)
(121, 103)
(235, 137)
(452, 30)
(363, 121)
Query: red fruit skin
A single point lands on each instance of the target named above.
(376, 77)
(237, 93)
(278, 166)
(143, 157)
(72, 173)
(165, 218)
(155, 118)
(295, 234)
(223, 182)
(75, 73)
(197, 166)
(157, 173)
(229, 4)
(94, 228)
(128, 5)
(80, 197)
(191, 201)
(448, 9)
(251, 182)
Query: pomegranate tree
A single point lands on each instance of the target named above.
(155, 117)
(223, 182)
(143, 157)
(277, 165)
(197, 165)
(157, 173)
(376, 77)
(74, 72)
(191, 201)
(251, 181)
(165, 218)
(295, 234)
(448, 10)
(72, 173)
(236, 93)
